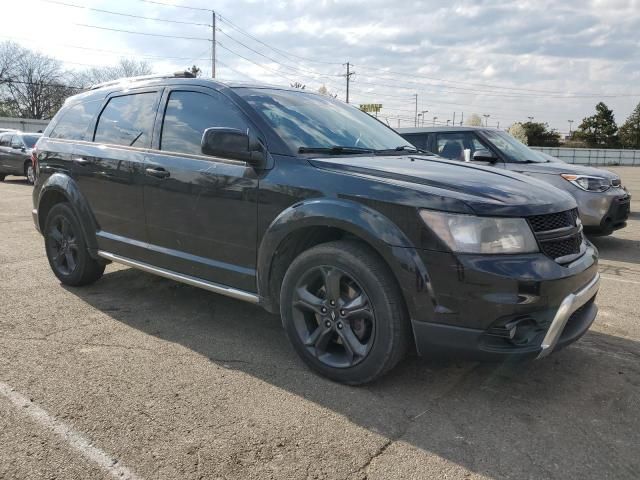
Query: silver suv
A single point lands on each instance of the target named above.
(603, 203)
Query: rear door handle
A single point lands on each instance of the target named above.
(157, 172)
(81, 161)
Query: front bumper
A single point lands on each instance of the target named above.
(492, 307)
(603, 212)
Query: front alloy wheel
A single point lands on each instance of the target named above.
(344, 313)
(333, 317)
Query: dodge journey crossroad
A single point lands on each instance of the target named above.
(316, 211)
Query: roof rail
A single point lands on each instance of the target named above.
(140, 78)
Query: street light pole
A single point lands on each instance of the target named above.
(423, 116)
(434, 121)
(486, 119)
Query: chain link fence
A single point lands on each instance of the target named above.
(598, 157)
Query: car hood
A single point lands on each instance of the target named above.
(483, 190)
(558, 168)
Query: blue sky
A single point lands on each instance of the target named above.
(546, 59)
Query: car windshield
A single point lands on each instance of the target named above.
(30, 140)
(511, 148)
(308, 122)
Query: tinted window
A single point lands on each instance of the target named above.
(30, 140)
(189, 114)
(453, 145)
(74, 121)
(419, 140)
(5, 140)
(127, 120)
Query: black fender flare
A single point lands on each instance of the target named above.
(60, 183)
(363, 222)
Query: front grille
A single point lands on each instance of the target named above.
(553, 221)
(561, 248)
(554, 244)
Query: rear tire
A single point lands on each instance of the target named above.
(67, 249)
(29, 172)
(344, 313)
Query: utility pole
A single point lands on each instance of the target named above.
(498, 127)
(462, 118)
(213, 44)
(570, 122)
(348, 75)
(416, 117)
(454, 119)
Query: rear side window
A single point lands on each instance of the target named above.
(189, 114)
(16, 141)
(74, 121)
(5, 140)
(417, 140)
(127, 120)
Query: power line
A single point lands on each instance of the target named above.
(143, 33)
(100, 10)
(186, 7)
(281, 52)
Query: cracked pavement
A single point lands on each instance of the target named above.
(176, 382)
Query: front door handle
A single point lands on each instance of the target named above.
(157, 172)
(80, 161)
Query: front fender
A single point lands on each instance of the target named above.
(62, 184)
(363, 222)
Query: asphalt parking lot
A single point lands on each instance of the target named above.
(141, 377)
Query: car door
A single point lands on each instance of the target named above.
(110, 169)
(201, 211)
(5, 147)
(16, 154)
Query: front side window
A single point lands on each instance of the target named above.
(453, 145)
(16, 142)
(127, 120)
(74, 121)
(189, 114)
(419, 140)
(307, 120)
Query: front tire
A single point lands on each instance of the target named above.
(67, 249)
(343, 312)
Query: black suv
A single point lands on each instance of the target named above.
(316, 211)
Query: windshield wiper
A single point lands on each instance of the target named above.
(401, 148)
(335, 150)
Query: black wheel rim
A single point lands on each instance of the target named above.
(63, 245)
(333, 317)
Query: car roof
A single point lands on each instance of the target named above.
(102, 90)
(440, 129)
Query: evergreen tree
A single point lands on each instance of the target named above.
(599, 130)
(630, 131)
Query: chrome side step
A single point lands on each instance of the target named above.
(179, 277)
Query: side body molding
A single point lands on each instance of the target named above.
(62, 184)
(359, 220)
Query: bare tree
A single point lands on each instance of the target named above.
(9, 54)
(34, 85)
(126, 67)
(474, 121)
(325, 91)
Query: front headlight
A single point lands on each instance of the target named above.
(471, 234)
(588, 183)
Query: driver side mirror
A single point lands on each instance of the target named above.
(232, 143)
(484, 155)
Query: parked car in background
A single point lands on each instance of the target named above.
(316, 211)
(603, 202)
(15, 154)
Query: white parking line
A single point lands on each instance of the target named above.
(74, 439)
(620, 279)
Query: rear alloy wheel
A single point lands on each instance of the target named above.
(66, 248)
(343, 312)
(30, 172)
